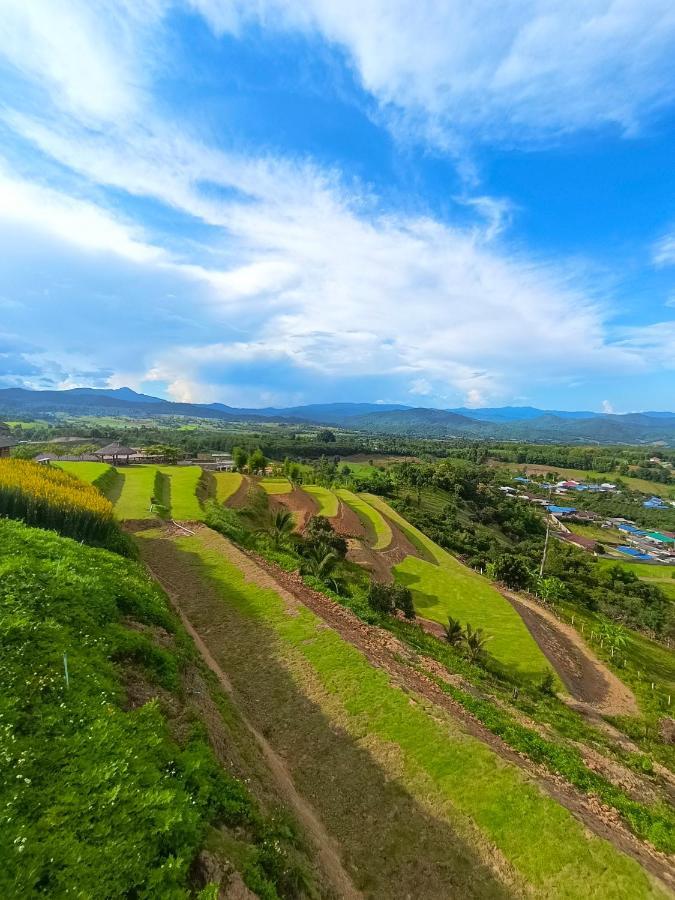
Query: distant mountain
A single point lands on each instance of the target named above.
(123, 393)
(525, 423)
(518, 413)
(420, 421)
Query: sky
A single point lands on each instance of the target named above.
(277, 202)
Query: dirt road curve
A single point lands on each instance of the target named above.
(582, 673)
(388, 653)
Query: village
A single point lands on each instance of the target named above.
(602, 535)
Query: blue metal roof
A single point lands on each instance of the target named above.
(636, 554)
(561, 510)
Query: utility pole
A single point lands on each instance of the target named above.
(543, 556)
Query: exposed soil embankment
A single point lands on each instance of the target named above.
(300, 503)
(240, 496)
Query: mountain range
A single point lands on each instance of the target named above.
(510, 422)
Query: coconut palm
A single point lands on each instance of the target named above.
(475, 642)
(454, 633)
(280, 526)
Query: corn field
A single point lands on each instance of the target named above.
(50, 498)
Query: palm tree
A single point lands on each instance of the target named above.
(280, 526)
(454, 633)
(475, 642)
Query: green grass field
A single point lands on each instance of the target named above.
(85, 471)
(446, 588)
(643, 570)
(227, 484)
(452, 775)
(276, 485)
(596, 533)
(138, 486)
(369, 516)
(325, 498)
(183, 485)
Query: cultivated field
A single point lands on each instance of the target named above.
(227, 484)
(366, 751)
(370, 517)
(446, 587)
(326, 499)
(275, 485)
(183, 481)
(85, 471)
(138, 486)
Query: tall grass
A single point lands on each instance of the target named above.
(50, 498)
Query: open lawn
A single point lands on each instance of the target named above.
(275, 485)
(643, 570)
(326, 499)
(138, 486)
(365, 750)
(85, 471)
(183, 482)
(370, 516)
(446, 587)
(596, 533)
(227, 484)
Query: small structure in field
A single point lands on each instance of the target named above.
(117, 454)
(6, 443)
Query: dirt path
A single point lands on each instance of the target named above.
(327, 850)
(582, 673)
(387, 652)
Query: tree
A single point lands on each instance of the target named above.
(281, 526)
(475, 642)
(512, 570)
(551, 589)
(319, 531)
(257, 462)
(387, 598)
(240, 458)
(454, 633)
(321, 563)
(327, 436)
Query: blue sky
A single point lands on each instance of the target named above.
(281, 202)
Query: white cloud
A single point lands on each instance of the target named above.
(607, 407)
(526, 69)
(664, 251)
(421, 387)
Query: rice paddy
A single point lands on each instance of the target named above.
(138, 487)
(326, 499)
(227, 484)
(370, 517)
(275, 485)
(183, 481)
(85, 471)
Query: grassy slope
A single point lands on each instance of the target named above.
(369, 516)
(326, 499)
(137, 489)
(643, 570)
(434, 757)
(275, 485)
(184, 502)
(595, 532)
(94, 812)
(449, 588)
(85, 471)
(227, 484)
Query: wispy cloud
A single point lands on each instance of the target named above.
(314, 274)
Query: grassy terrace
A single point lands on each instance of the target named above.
(275, 485)
(306, 688)
(325, 498)
(370, 516)
(183, 482)
(635, 484)
(446, 587)
(227, 484)
(85, 471)
(138, 486)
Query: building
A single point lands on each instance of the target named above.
(6, 443)
(655, 503)
(117, 454)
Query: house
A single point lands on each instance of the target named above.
(6, 442)
(655, 503)
(561, 510)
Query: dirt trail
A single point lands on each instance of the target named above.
(385, 651)
(327, 850)
(582, 673)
